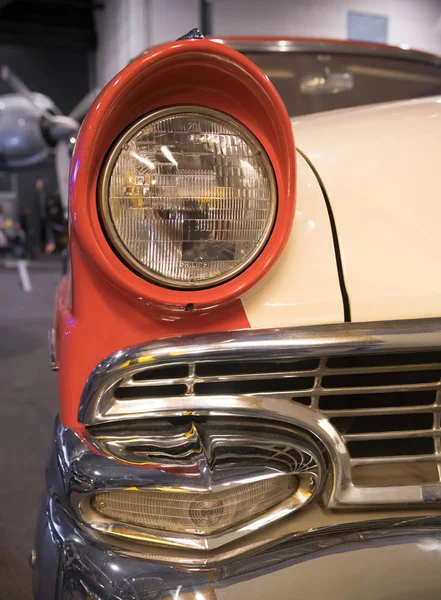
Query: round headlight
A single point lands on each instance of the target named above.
(188, 197)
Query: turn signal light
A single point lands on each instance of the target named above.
(203, 513)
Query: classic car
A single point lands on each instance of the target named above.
(248, 340)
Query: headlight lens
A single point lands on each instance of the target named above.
(188, 197)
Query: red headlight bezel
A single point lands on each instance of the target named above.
(188, 72)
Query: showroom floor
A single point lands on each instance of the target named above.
(28, 409)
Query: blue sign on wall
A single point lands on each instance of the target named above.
(365, 27)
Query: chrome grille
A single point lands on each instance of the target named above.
(377, 384)
(386, 406)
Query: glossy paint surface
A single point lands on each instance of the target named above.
(105, 321)
(380, 168)
(302, 288)
(357, 569)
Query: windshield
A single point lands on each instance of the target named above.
(312, 82)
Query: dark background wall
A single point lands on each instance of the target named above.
(60, 73)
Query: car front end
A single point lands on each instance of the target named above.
(228, 428)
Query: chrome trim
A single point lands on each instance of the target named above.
(209, 457)
(100, 405)
(32, 558)
(51, 343)
(193, 34)
(331, 46)
(75, 466)
(73, 562)
(104, 183)
(340, 492)
(97, 404)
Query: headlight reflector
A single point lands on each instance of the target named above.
(188, 197)
(197, 513)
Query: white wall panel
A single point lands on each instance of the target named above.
(127, 27)
(169, 19)
(122, 29)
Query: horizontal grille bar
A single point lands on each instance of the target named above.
(391, 435)
(362, 412)
(316, 387)
(377, 460)
(379, 384)
(130, 382)
(315, 390)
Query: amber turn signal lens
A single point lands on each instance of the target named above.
(202, 513)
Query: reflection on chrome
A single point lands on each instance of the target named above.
(85, 560)
(286, 376)
(211, 465)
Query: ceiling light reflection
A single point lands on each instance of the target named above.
(168, 155)
(247, 167)
(145, 161)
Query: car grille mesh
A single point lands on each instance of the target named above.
(385, 406)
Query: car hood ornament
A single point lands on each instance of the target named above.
(193, 34)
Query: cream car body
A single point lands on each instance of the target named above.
(386, 206)
(303, 287)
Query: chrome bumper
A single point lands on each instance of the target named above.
(74, 562)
